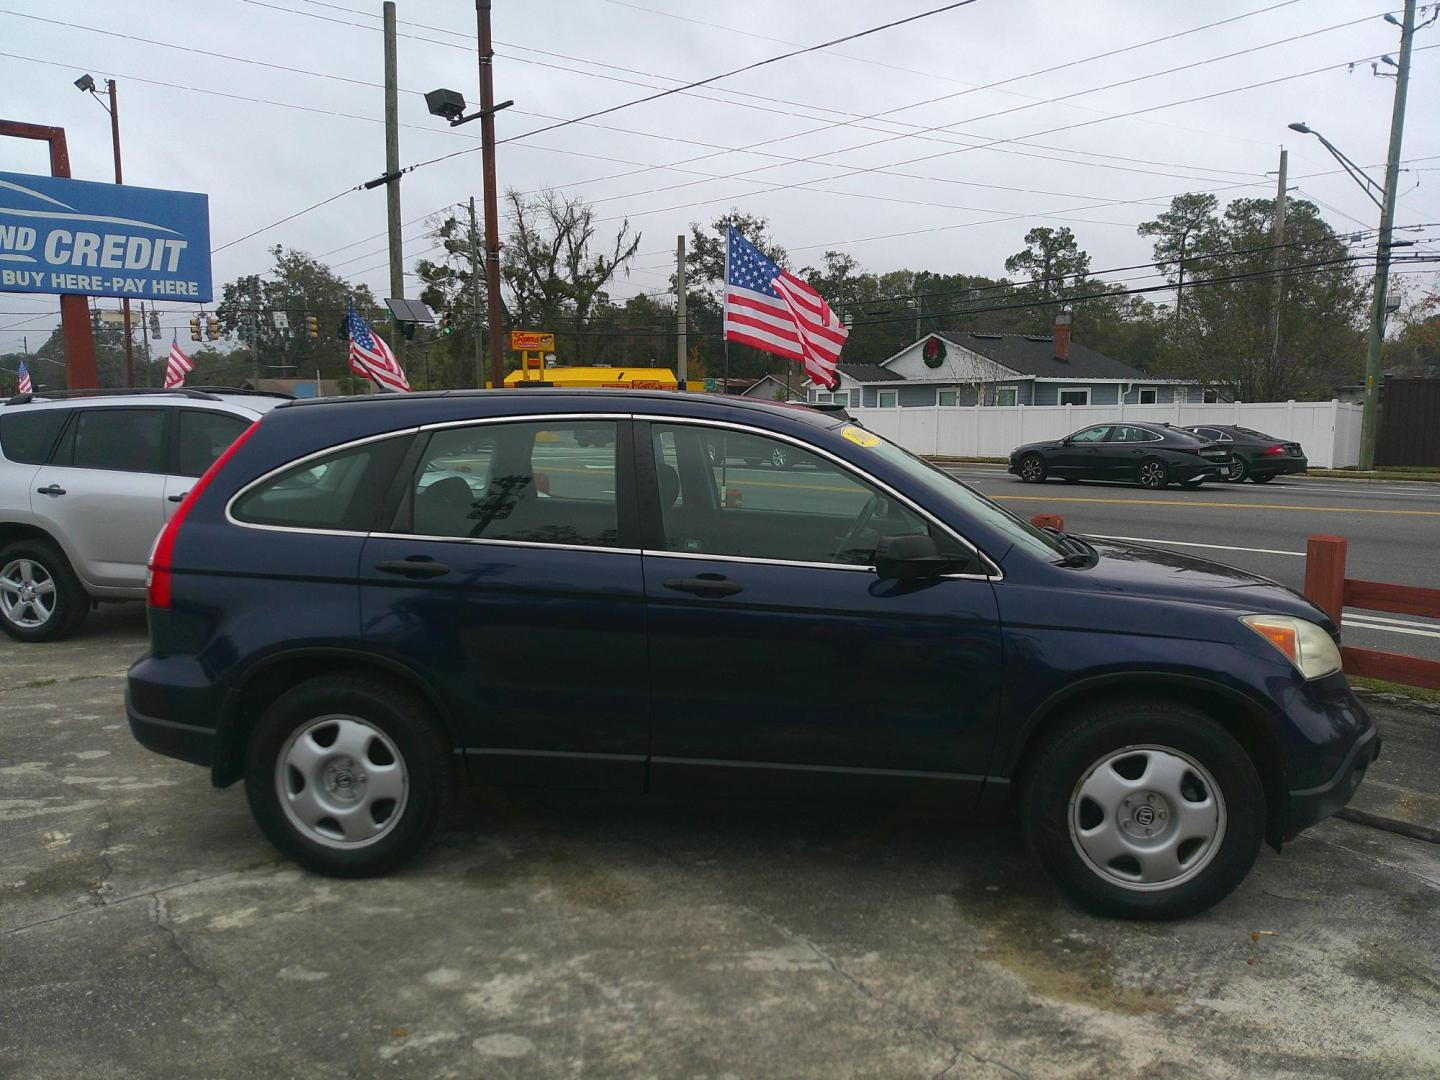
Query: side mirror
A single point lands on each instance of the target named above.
(1067, 440)
(909, 557)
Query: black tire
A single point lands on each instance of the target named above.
(1153, 473)
(1238, 471)
(1262, 478)
(1050, 793)
(417, 744)
(47, 564)
(1033, 469)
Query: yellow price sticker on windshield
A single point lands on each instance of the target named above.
(860, 437)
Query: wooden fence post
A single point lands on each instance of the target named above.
(1325, 573)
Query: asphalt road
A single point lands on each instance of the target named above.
(1393, 530)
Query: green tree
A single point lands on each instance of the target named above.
(297, 285)
(1050, 259)
(1182, 239)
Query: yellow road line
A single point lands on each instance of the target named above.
(1220, 505)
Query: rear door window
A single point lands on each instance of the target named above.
(203, 437)
(26, 437)
(119, 440)
(339, 492)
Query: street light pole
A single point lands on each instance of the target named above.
(114, 111)
(492, 202)
(1368, 420)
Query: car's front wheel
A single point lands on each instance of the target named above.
(348, 777)
(41, 599)
(1033, 468)
(780, 457)
(1153, 474)
(1144, 808)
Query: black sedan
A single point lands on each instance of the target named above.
(1151, 455)
(1258, 456)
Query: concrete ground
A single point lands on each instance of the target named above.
(147, 929)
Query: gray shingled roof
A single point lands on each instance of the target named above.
(1034, 354)
(869, 373)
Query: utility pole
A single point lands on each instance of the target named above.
(681, 365)
(492, 203)
(475, 294)
(392, 172)
(1278, 261)
(120, 179)
(1370, 416)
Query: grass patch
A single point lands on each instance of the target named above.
(1398, 472)
(1380, 686)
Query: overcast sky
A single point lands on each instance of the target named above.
(200, 113)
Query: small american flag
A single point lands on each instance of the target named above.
(774, 310)
(177, 365)
(26, 386)
(370, 357)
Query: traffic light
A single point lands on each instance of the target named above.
(195, 329)
(312, 326)
(447, 324)
(213, 325)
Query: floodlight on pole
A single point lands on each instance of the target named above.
(85, 84)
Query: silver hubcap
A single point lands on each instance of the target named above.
(341, 781)
(778, 458)
(27, 593)
(1151, 474)
(1147, 818)
(1031, 469)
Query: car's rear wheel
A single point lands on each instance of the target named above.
(1239, 470)
(1033, 468)
(41, 599)
(1152, 474)
(1144, 808)
(348, 777)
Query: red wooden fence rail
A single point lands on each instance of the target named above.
(1332, 591)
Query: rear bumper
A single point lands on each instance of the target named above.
(1281, 467)
(187, 742)
(1309, 805)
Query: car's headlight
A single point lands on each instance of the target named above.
(1304, 644)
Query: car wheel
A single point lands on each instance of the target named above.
(41, 599)
(1144, 808)
(1033, 468)
(1262, 478)
(1153, 474)
(712, 451)
(780, 457)
(348, 777)
(1239, 470)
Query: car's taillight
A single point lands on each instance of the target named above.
(157, 577)
(1271, 451)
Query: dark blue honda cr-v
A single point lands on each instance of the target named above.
(366, 599)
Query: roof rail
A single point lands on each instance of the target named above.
(61, 395)
(243, 391)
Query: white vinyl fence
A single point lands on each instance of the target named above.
(1328, 430)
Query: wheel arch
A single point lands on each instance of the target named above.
(261, 684)
(14, 531)
(1242, 716)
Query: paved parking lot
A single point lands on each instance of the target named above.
(147, 929)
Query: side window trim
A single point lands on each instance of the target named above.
(652, 537)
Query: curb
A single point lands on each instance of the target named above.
(1399, 700)
(1313, 475)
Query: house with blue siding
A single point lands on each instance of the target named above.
(965, 367)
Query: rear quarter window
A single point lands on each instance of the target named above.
(27, 437)
(339, 492)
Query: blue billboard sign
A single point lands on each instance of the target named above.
(74, 236)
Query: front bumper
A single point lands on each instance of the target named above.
(1309, 805)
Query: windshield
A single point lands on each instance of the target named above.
(969, 501)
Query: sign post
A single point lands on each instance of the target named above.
(80, 372)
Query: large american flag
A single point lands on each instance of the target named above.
(177, 365)
(774, 310)
(371, 358)
(26, 386)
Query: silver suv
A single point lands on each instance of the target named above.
(87, 479)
